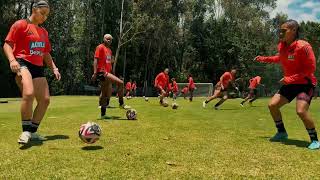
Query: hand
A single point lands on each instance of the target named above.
(57, 74)
(222, 87)
(281, 81)
(15, 66)
(94, 77)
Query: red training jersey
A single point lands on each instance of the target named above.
(134, 86)
(297, 60)
(175, 87)
(191, 84)
(30, 42)
(104, 56)
(162, 81)
(254, 82)
(225, 79)
(128, 86)
(185, 90)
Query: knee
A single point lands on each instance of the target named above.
(28, 96)
(45, 101)
(272, 106)
(301, 112)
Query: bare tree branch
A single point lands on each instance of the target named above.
(134, 35)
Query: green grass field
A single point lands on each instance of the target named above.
(188, 143)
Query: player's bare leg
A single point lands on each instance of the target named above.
(215, 95)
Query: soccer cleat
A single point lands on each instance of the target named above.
(204, 104)
(37, 137)
(241, 105)
(279, 137)
(123, 106)
(314, 145)
(24, 137)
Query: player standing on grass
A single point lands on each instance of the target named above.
(221, 88)
(253, 92)
(175, 88)
(134, 88)
(27, 48)
(191, 86)
(162, 84)
(298, 63)
(102, 67)
(128, 89)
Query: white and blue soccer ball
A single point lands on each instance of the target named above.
(90, 132)
(175, 105)
(131, 114)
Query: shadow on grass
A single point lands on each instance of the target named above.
(114, 118)
(92, 148)
(290, 142)
(39, 143)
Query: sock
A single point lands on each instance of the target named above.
(26, 125)
(108, 102)
(103, 110)
(121, 101)
(280, 126)
(34, 127)
(313, 134)
(219, 103)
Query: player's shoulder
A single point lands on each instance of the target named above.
(22, 23)
(302, 43)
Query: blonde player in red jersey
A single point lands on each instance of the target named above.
(102, 68)
(221, 88)
(28, 48)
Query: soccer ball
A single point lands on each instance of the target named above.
(175, 106)
(146, 99)
(89, 132)
(131, 114)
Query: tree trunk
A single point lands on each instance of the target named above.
(119, 41)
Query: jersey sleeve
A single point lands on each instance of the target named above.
(16, 31)
(308, 63)
(97, 52)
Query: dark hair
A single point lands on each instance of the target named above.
(40, 4)
(293, 24)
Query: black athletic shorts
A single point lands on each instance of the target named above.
(100, 76)
(35, 71)
(253, 92)
(299, 91)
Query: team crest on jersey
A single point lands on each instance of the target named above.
(291, 57)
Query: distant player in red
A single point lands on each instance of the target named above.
(191, 86)
(134, 88)
(175, 88)
(128, 89)
(299, 65)
(162, 84)
(253, 93)
(102, 68)
(185, 91)
(28, 48)
(221, 88)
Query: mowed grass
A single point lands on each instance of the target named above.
(188, 143)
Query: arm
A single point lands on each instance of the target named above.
(268, 59)
(8, 50)
(50, 63)
(308, 65)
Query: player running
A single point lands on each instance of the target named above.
(134, 88)
(102, 67)
(221, 88)
(253, 92)
(298, 63)
(175, 89)
(162, 84)
(28, 48)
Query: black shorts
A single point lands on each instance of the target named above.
(253, 92)
(35, 71)
(100, 76)
(301, 91)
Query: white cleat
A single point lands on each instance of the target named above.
(24, 137)
(241, 105)
(125, 107)
(204, 104)
(37, 137)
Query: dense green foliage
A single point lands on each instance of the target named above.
(204, 37)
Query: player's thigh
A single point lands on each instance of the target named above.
(24, 81)
(114, 78)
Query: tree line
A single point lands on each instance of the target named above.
(199, 37)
